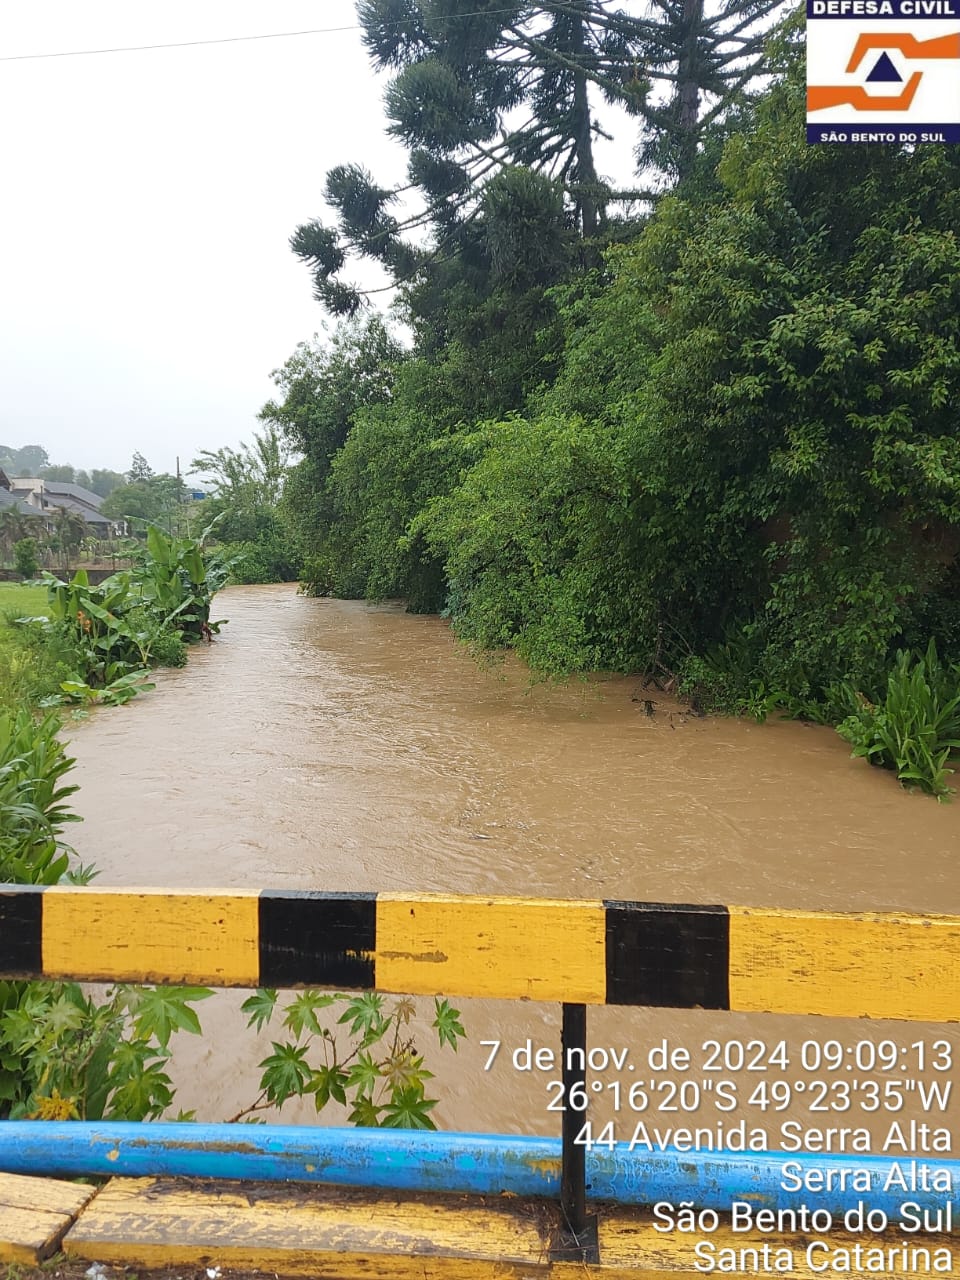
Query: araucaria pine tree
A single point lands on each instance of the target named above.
(481, 86)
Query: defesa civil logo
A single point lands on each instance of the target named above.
(883, 71)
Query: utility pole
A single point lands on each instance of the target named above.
(179, 496)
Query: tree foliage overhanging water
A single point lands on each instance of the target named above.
(724, 445)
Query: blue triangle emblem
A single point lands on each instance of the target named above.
(884, 72)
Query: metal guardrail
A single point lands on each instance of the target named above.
(878, 964)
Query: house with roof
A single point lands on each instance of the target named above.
(46, 497)
(9, 501)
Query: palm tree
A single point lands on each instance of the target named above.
(69, 531)
(14, 525)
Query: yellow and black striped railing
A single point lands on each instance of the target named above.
(880, 965)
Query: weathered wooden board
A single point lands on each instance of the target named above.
(886, 965)
(151, 936)
(343, 1234)
(335, 1234)
(34, 1214)
(491, 947)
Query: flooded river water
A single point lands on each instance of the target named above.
(331, 745)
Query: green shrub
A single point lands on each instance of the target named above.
(169, 650)
(66, 1056)
(25, 557)
(708, 688)
(916, 727)
(727, 678)
(158, 642)
(268, 559)
(33, 662)
(317, 576)
(370, 1066)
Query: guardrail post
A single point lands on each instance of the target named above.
(578, 1240)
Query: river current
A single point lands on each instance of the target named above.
(334, 745)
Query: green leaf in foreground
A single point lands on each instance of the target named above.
(159, 1011)
(408, 1110)
(260, 1006)
(447, 1023)
(285, 1072)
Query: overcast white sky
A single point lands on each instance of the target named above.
(147, 286)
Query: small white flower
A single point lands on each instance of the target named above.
(213, 1273)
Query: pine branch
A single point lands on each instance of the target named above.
(554, 55)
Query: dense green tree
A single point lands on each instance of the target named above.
(132, 502)
(245, 487)
(536, 546)
(325, 381)
(752, 433)
(62, 471)
(397, 457)
(322, 386)
(156, 498)
(247, 478)
(99, 482)
(103, 481)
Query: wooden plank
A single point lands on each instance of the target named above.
(34, 1214)
(874, 965)
(511, 948)
(151, 935)
(343, 1234)
(53, 1195)
(333, 1234)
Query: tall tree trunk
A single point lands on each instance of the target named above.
(688, 86)
(586, 170)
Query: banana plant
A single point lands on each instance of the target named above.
(32, 795)
(177, 579)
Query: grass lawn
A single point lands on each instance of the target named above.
(27, 601)
(26, 673)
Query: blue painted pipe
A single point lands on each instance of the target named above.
(466, 1163)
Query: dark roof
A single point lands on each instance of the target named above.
(75, 491)
(10, 502)
(55, 502)
(57, 488)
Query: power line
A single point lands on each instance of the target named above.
(177, 44)
(190, 44)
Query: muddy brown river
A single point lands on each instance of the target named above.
(333, 745)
